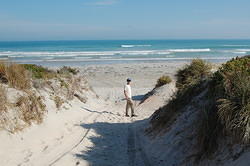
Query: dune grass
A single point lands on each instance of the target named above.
(32, 108)
(229, 110)
(163, 80)
(225, 108)
(58, 101)
(39, 72)
(15, 75)
(190, 82)
(193, 73)
(3, 99)
(68, 70)
(24, 78)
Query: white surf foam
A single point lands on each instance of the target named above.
(190, 50)
(129, 46)
(235, 45)
(20, 54)
(239, 52)
(243, 50)
(128, 59)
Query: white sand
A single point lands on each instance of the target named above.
(97, 133)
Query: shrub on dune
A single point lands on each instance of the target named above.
(17, 76)
(31, 108)
(163, 80)
(68, 70)
(193, 73)
(233, 83)
(190, 82)
(224, 106)
(39, 72)
(228, 108)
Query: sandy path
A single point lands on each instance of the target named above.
(96, 133)
(111, 138)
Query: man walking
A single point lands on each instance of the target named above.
(128, 96)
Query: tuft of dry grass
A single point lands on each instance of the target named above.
(18, 77)
(15, 75)
(58, 101)
(32, 108)
(163, 80)
(3, 99)
(74, 85)
(3, 78)
(67, 70)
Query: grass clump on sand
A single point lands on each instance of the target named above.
(163, 80)
(39, 72)
(15, 75)
(32, 108)
(193, 73)
(3, 99)
(68, 70)
(58, 101)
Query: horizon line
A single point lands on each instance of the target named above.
(123, 39)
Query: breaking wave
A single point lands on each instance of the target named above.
(17, 54)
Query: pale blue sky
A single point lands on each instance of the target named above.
(123, 19)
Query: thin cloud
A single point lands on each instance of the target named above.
(104, 2)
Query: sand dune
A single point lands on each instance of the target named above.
(97, 132)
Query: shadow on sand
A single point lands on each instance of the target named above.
(138, 97)
(112, 146)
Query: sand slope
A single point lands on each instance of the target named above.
(97, 133)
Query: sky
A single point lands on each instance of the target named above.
(124, 19)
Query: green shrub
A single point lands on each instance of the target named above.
(193, 73)
(225, 107)
(162, 81)
(39, 72)
(228, 108)
(68, 70)
(233, 97)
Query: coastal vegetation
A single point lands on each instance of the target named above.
(163, 80)
(22, 89)
(222, 100)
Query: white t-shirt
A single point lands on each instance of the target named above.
(127, 88)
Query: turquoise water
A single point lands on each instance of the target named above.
(77, 53)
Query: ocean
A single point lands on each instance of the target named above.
(79, 53)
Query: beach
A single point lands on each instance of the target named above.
(108, 80)
(67, 136)
(124, 83)
(93, 130)
(84, 122)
